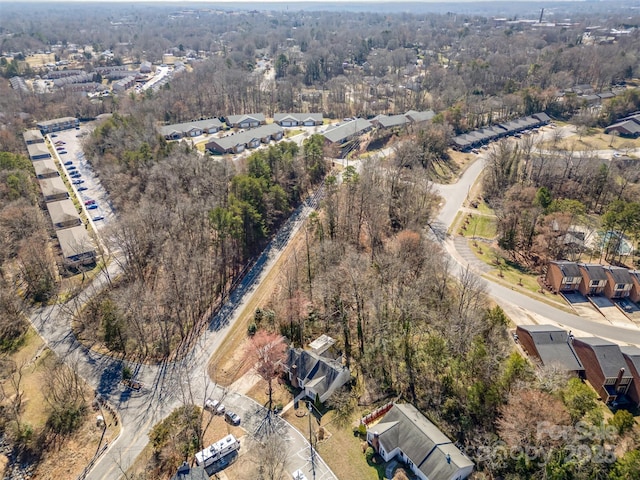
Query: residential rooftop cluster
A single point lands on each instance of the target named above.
(76, 246)
(612, 370)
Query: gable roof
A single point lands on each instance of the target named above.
(38, 150)
(45, 167)
(404, 427)
(339, 133)
(607, 354)
(632, 355)
(242, 138)
(298, 117)
(628, 127)
(619, 275)
(62, 211)
(187, 126)
(75, 241)
(553, 346)
(388, 121)
(322, 374)
(543, 117)
(595, 272)
(33, 136)
(52, 186)
(236, 119)
(568, 269)
(418, 117)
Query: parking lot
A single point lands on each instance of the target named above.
(86, 186)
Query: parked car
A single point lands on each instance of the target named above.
(68, 162)
(232, 417)
(71, 168)
(78, 182)
(75, 175)
(220, 410)
(92, 207)
(90, 202)
(98, 218)
(53, 135)
(82, 189)
(211, 404)
(63, 152)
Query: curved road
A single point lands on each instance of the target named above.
(169, 385)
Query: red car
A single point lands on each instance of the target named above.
(89, 202)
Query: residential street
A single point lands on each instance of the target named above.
(169, 385)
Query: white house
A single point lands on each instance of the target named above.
(408, 435)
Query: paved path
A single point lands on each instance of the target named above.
(170, 384)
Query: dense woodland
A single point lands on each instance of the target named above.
(369, 275)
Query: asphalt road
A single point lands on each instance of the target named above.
(171, 384)
(511, 301)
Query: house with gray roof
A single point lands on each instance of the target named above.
(406, 434)
(188, 472)
(627, 128)
(619, 282)
(298, 119)
(418, 117)
(317, 375)
(53, 189)
(190, 129)
(250, 120)
(32, 136)
(38, 151)
(550, 346)
(604, 367)
(390, 121)
(341, 133)
(631, 355)
(63, 214)
(57, 124)
(45, 169)
(594, 279)
(238, 142)
(77, 247)
(563, 276)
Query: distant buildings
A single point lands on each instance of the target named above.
(238, 142)
(57, 124)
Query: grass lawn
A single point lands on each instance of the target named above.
(479, 226)
(341, 450)
(293, 132)
(36, 361)
(40, 59)
(593, 139)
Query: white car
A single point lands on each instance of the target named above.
(211, 405)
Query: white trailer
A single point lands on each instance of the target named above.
(217, 451)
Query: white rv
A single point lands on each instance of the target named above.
(218, 450)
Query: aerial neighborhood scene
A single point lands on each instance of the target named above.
(320, 240)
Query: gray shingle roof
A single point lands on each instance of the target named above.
(53, 186)
(33, 136)
(619, 275)
(298, 117)
(45, 167)
(75, 241)
(429, 449)
(63, 211)
(38, 150)
(388, 121)
(568, 269)
(317, 372)
(186, 126)
(552, 344)
(237, 119)
(243, 138)
(418, 117)
(339, 133)
(595, 272)
(608, 355)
